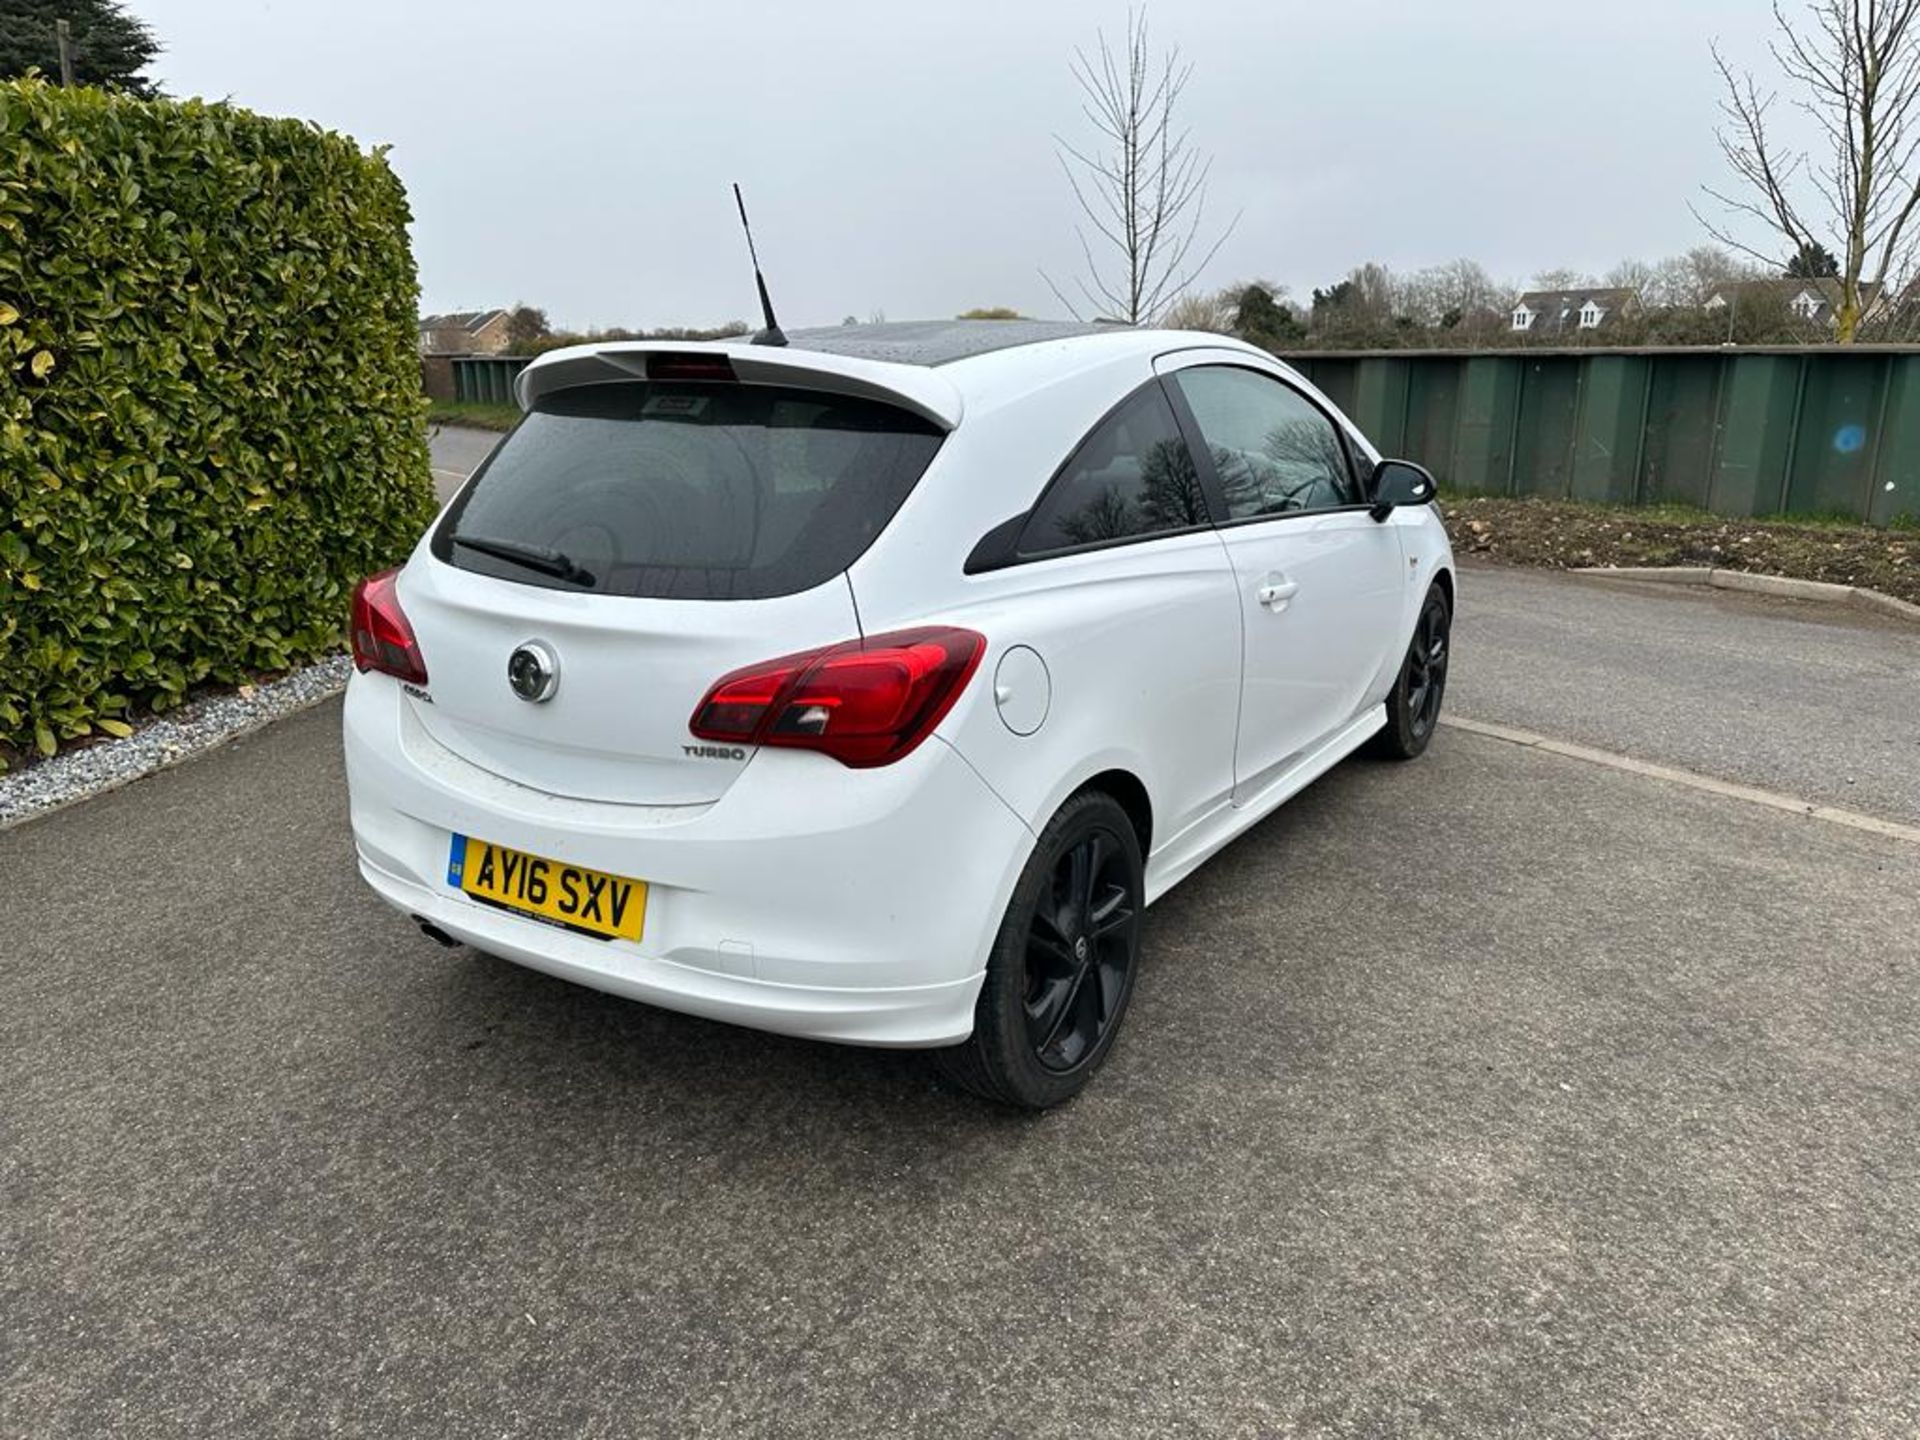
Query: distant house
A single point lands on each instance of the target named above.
(1555, 312)
(464, 332)
(1814, 301)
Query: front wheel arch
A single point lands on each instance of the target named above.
(1413, 702)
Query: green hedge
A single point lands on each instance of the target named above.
(210, 408)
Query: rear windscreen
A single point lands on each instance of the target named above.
(687, 491)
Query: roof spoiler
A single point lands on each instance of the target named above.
(917, 388)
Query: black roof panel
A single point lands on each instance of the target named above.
(936, 342)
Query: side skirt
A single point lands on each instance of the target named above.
(1201, 842)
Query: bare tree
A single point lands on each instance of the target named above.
(1635, 275)
(1376, 292)
(1201, 310)
(1564, 278)
(1141, 186)
(1692, 279)
(1464, 286)
(1448, 294)
(1855, 65)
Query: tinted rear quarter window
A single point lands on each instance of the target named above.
(1132, 476)
(690, 491)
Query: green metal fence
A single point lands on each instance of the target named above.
(1821, 430)
(1825, 430)
(486, 379)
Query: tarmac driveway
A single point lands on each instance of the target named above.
(1499, 1094)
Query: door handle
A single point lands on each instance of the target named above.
(1274, 594)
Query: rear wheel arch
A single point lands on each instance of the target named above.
(1061, 969)
(1130, 794)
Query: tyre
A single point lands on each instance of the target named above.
(1413, 705)
(1062, 966)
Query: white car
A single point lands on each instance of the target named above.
(870, 688)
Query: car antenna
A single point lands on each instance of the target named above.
(773, 334)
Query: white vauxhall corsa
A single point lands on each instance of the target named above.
(870, 688)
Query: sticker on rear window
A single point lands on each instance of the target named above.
(673, 406)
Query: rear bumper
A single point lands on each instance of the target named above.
(809, 900)
(915, 1016)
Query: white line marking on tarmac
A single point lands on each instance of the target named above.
(1773, 800)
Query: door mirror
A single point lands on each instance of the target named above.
(1399, 482)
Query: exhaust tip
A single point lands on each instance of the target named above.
(434, 933)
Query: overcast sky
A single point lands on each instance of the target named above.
(898, 154)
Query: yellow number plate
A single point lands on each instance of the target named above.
(609, 906)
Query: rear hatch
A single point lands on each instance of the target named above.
(649, 535)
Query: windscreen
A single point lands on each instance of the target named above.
(687, 491)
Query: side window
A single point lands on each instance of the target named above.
(1133, 475)
(1275, 451)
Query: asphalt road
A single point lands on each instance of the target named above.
(1819, 701)
(1500, 1094)
(457, 451)
(1442, 1110)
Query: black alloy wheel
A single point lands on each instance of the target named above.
(1080, 948)
(1062, 968)
(1413, 705)
(1427, 665)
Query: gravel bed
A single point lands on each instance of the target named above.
(191, 730)
(1570, 535)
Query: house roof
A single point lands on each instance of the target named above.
(1553, 302)
(1789, 288)
(471, 321)
(1559, 310)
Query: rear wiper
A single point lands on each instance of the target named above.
(533, 557)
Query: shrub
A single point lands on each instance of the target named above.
(210, 408)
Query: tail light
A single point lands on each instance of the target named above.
(865, 703)
(382, 638)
